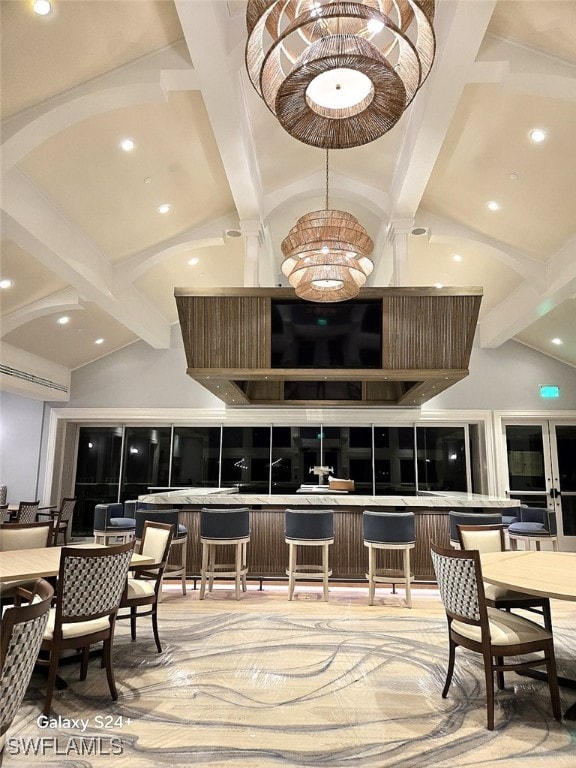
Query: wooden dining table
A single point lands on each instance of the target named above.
(548, 574)
(20, 564)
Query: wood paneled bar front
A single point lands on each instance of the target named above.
(268, 552)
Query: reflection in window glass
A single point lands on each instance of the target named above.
(246, 458)
(146, 460)
(195, 457)
(97, 473)
(441, 458)
(525, 457)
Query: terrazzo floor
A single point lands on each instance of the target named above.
(263, 682)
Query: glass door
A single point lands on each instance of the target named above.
(542, 471)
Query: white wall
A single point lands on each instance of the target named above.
(139, 376)
(21, 421)
(507, 378)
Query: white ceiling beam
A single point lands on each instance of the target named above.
(204, 236)
(31, 221)
(63, 301)
(460, 28)
(205, 31)
(528, 304)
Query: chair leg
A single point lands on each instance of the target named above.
(500, 673)
(203, 570)
(238, 577)
(325, 555)
(107, 656)
(184, 550)
(244, 562)
(371, 572)
(133, 616)
(52, 671)
(211, 564)
(450, 670)
(547, 615)
(84, 662)
(291, 569)
(489, 675)
(407, 577)
(553, 682)
(155, 628)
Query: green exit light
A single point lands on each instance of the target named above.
(548, 391)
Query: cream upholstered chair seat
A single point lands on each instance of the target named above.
(139, 588)
(75, 629)
(505, 629)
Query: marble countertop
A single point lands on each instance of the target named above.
(198, 496)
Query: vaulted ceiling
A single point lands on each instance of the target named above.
(81, 232)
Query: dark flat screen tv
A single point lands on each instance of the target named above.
(343, 335)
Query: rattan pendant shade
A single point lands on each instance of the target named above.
(326, 256)
(339, 74)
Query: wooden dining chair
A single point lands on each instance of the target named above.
(61, 518)
(27, 512)
(491, 538)
(494, 634)
(91, 583)
(21, 631)
(15, 536)
(143, 590)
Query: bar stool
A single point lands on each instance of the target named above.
(110, 525)
(389, 531)
(308, 528)
(219, 527)
(534, 524)
(470, 518)
(178, 545)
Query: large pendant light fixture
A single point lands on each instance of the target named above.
(339, 74)
(326, 254)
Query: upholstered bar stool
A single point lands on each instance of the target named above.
(308, 528)
(178, 545)
(389, 531)
(534, 524)
(110, 525)
(220, 527)
(470, 518)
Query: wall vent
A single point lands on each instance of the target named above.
(6, 369)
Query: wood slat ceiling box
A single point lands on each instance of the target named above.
(426, 341)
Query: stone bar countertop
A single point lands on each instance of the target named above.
(229, 497)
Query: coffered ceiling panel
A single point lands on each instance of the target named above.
(31, 281)
(104, 190)
(546, 25)
(77, 42)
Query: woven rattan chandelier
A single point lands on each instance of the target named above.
(326, 254)
(339, 74)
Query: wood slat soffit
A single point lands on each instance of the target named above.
(422, 337)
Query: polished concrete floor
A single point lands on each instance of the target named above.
(264, 682)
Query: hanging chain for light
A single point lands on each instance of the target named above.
(326, 206)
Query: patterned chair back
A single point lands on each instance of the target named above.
(22, 628)
(92, 581)
(66, 510)
(3, 494)
(27, 511)
(459, 580)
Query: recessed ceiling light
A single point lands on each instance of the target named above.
(193, 261)
(537, 135)
(233, 233)
(493, 205)
(6, 283)
(438, 285)
(99, 341)
(127, 145)
(419, 231)
(42, 7)
(557, 341)
(164, 208)
(63, 320)
(456, 257)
